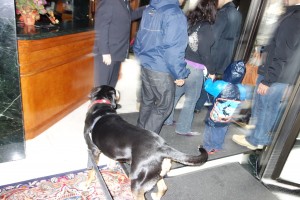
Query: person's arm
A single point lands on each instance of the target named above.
(218, 28)
(214, 87)
(102, 22)
(205, 44)
(285, 41)
(174, 45)
(137, 13)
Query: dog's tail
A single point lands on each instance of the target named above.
(187, 159)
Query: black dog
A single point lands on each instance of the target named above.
(148, 154)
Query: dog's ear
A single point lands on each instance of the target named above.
(115, 98)
(94, 92)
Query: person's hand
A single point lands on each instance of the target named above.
(262, 89)
(179, 82)
(212, 76)
(106, 59)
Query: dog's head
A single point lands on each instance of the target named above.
(105, 92)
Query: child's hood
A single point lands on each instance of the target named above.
(235, 72)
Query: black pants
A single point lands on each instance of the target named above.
(204, 96)
(157, 99)
(106, 74)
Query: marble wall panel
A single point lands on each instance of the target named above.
(12, 142)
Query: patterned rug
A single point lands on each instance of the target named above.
(70, 186)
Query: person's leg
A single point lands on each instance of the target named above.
(192, 88)
(266, 112)
(202, 99)
(160, 99)
(218, 136)
(147, 100)
(114, 76)
(179, 91)
(102, 72)
(207, 140)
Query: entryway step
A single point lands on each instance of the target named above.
(223, 182)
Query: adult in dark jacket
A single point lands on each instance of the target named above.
(280, 70)
(160, 48)
(226, 29)
(112, 26)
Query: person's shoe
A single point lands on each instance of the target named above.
(119, 106)
(208, 103)
(213, 151)
(191, 133)
(172, 124)
(197, 111)
(241, 140)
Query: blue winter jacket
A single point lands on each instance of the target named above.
(228, 94)
(162, 39)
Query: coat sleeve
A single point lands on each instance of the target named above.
(285, 44)
(137, 13)
(102, 22)
(214, 87)
(175, 40)
(218, 28)
(206, 41)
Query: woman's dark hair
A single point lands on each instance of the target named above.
(205, 11)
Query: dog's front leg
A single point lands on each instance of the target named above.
(91, 171)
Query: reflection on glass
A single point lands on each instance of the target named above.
(291, 168)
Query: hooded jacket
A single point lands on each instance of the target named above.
(280, 63)
(162, 39)
(228, 94)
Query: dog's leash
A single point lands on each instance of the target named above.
(99, 176)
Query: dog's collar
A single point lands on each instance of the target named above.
(100, 101)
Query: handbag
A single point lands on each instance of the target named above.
(251, 70)
(251, 75)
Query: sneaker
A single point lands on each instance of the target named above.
(197, 111)
(172, 124)
(208, 103)
(213, 151)
(241, 140)
(192, 133)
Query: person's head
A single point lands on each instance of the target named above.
(204, 11)
(291, 2)
(235, 72)
(221, 3)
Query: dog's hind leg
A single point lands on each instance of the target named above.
(139, 195)
(161, 185)
(162, 188)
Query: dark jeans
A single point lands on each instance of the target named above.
(157, 99)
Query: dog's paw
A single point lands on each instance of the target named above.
(154, 196)
(111, 164)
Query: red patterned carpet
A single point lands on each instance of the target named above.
(70, 186)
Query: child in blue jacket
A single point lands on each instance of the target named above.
(228, 94)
